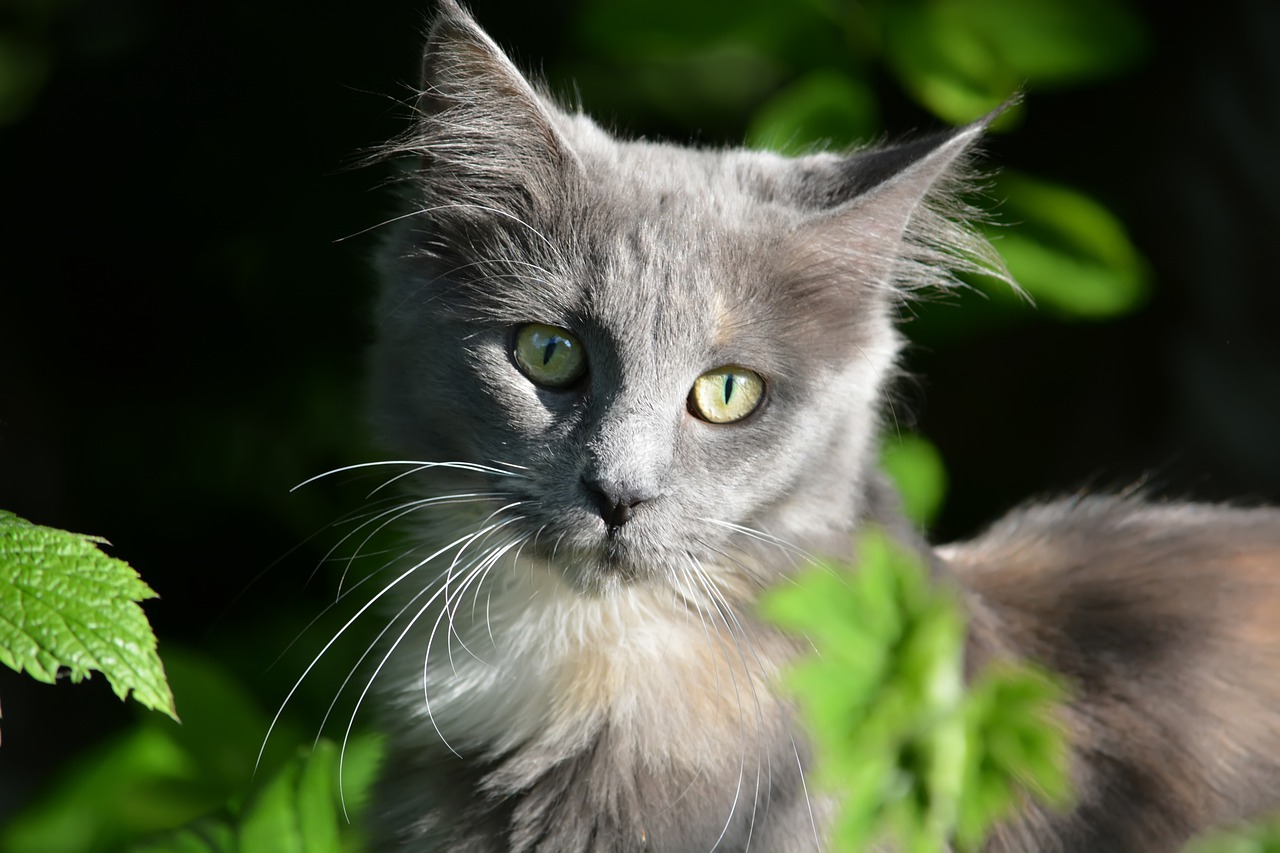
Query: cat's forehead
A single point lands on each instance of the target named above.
(678, 242)
(676, 184)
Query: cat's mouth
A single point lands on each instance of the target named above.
(594, 565)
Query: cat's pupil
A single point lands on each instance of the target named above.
(728, 387)
(549, 351)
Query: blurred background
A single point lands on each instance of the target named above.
(184, 282)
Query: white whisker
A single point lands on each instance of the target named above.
(700, 576)
(760, 536)
(418, 466)
(393, 515)
(363, 609)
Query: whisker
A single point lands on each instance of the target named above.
(761, 536)
(363, 609)
(445, 577)
(485, 561)
(393, 515)
(742, 763)
(419, 466)
(790, 733)
(426, 687)
(423, 211)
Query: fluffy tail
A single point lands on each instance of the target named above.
(1164, 621)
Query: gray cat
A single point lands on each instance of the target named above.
(644, 382)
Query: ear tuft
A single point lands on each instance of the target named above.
(896, 217)
(486, 139)
(460, 61)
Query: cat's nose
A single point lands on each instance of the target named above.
(616, 502)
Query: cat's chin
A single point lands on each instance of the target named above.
(600, 569)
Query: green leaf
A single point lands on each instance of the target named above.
(204, 836)
(962, 58)
(915, 466)
(824, 109)
(295, 809)
(298, 810)
(24, 69)
(910, 754)
(1068, 251)
(155, 777)
(66, 606)
(136, 784)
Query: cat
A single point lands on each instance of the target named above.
(645, 381)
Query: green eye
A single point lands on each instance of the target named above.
(549, 356)
(726, 394)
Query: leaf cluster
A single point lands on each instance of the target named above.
(909, 752)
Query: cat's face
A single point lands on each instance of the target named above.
(651, 350)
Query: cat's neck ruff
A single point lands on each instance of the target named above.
(525, 661)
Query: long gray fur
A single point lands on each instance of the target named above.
(555, 685)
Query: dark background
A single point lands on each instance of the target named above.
(182, 320)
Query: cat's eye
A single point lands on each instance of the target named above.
(548, 355)
(726, 394)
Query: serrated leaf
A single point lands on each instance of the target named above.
(66, 606)
(908, 752)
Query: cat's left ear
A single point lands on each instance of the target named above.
(893, 216)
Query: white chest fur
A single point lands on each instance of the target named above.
(524, 662)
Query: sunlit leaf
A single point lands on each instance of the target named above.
(298, 811)
(66, 607)
(909, 753)
(1067, 251)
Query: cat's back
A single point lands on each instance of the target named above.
(1165, 622)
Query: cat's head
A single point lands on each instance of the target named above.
(664, 347)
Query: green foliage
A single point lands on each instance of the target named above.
(153, 777)
(909, 752)
(916, 468)
(1263, 838)
(67, 607)
(296, 811)
(822, 109)
(963, 58)
(811, 76)
(1069, 253)
(167, 788)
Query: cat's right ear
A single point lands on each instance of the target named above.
(461, 63)
(482, 129)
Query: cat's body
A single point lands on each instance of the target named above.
(574, 662)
